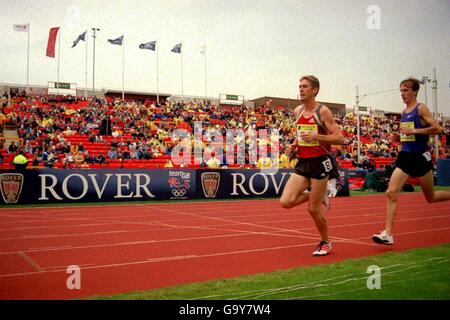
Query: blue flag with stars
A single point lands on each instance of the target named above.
(149, 45)
(117, 41)
(177, 48)
(80, 37)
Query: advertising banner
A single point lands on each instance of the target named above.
(42, 186)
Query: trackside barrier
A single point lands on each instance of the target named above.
(443, 172)
(40, 186)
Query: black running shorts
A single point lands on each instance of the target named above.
(414, 164)
(314, 168)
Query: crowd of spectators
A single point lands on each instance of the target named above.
(63, 132)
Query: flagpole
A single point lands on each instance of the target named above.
(123, 69)
(28, 61)
(206, 74)
(435, 109)
(93, 60)
(59, 55)
(182, 72)
(157, 73)
(86, 71)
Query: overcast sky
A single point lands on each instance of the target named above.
(254, 48)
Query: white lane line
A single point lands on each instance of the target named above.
(154, 260)
(30, 261)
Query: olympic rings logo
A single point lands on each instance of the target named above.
(178, 192)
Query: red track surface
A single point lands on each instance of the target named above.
(141, 247)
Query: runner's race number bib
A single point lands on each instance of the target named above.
(327, 165)
(407, 137)
(427, 155)
(304, 128)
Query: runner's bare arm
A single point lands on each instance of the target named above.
(426, 115)
(334, 135)
(296, 114)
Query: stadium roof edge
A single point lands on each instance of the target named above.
(137, 92)
(292, 103)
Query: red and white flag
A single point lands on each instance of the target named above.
(21, 27)
(51, 42)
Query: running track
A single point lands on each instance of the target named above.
(140, 247)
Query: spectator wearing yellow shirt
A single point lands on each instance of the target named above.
(74, 148)
(284, 159)
(168, 164)
(213, 162)
(2, 119)
(293, 163)
(20, 161)
(264, 163)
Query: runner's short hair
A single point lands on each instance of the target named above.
(313, 80)
(412, 83)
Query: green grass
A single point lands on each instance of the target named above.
(415, 274)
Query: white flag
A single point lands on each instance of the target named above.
(21, 27)
(203, 50)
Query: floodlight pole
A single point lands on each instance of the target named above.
(358, 125)
(424, 81)
(93, 61)
(435, 108)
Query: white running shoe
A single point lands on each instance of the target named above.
(383, 238)
(323, 248)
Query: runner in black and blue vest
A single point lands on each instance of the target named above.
(414, 159)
